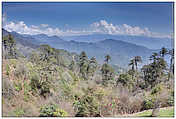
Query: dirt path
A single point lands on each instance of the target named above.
(133, 115)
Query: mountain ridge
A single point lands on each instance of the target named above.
(149, 42)
(120, 51)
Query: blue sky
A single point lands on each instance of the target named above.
(112, 18)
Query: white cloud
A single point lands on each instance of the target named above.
(133, 30)
(21, 27)
(104, 27)
(97, 27)
(108, 28)
(44, 25)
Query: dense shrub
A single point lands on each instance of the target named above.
(35, 81)
(19, 112)
(135, 104)
(129, 104)
(107, 73)
(125, 80)
(157, 89)
(45, 88)
(100, 93)
(21, 70)
(171, 101)
(87, 105)
(108, 109)
(148, 104)
(42, 86)
(52, 111)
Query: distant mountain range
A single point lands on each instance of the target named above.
(120, 51)
(149, 42)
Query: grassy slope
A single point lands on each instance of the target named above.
(164, 112)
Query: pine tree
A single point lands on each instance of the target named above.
(83, 64)
(92, 66)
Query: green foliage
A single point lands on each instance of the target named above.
(26, 98)
(60, 113)
(19, 112)
(13, 62)
(154, 70)
(148, 104)
(72, 65)
(40, 85)
(83, 64)
(131, 72)
(34, 57)
(52, 110)
(53, 56)
(150, 101)
(7, 69)
(45, 88)
(157, 89)
(100, 93)
(67, 90)
(46, 66)
(107, 73)
(87, 105)
(27, 89)
(171, 99)
(18, 86)
(167, 112)
(163, 113)
(92, 66)
(46, 53)
(73, 76)
(35, 81)
(124, 79)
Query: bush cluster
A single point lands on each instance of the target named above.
(39, 85)
(52, 110)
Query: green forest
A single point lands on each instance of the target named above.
(51, 82)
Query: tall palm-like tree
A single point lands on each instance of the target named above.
(107, 58)
(154, 57)
(163, 52)
(132, 64)
(137, 60)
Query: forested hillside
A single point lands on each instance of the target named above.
(40, 80)
(120, 51)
